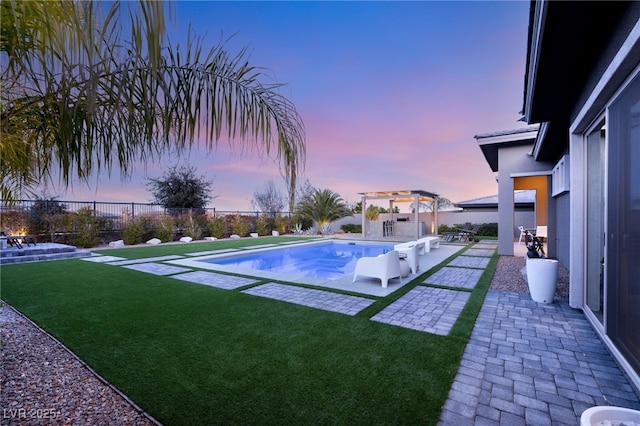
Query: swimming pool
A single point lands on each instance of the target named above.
(327, 260)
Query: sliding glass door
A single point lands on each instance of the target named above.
(622, 314)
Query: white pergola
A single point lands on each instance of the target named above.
(406, 196)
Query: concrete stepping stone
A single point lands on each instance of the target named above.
(145, 260)
(226, 282)
(103, 259)
(455, 277)
(320, 299)
(470, 262)
(429, 309)
(207, 253)
(156, 268)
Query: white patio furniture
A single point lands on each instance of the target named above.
(385, 267)
(425, 244)
(522, 235)
(410, 252)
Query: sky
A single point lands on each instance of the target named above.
(391, 95)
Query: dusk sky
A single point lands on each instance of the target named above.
(391, 95)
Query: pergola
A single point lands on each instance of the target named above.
(406, 196)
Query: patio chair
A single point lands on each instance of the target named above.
(471, 233)
(457, 234)
(385, 267)
(522, 235)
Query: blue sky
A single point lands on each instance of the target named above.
(391, 94)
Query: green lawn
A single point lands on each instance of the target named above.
(192, 354)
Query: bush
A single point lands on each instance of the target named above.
(133, 232)
(15, 222)
(352, 228)
(86, 227)
(218, 227)
(165, 229)
(239, 225)
(193, 226)
(488, 230)
(262, 225)
(281, 224)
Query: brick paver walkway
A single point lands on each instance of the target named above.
(533, 364)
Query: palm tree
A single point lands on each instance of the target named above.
(78, 96)
(323, 206)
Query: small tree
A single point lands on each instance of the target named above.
(373, 212)
(323, 207)
(269, 200)
(180, 188)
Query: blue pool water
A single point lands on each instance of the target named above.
(329, 260)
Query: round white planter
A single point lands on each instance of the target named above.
(542, 277)
(609, 415)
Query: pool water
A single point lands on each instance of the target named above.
(328, 261)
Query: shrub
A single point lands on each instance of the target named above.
(58, 225)
(15, 221)
(281, 224)
(165, 229)
(488, 230)
(133, 232)
(193, 226)
(86, 227)
(262, 225)
(218, 227)
(239, 225)
(352, 228)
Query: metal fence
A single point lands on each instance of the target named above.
(116, 214)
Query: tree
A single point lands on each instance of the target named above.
(181, 188)
(323, 206)
(80, 97)
(270, 200)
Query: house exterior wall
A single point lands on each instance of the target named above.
(512, 160)
(616, 64)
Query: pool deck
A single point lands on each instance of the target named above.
(525, 363)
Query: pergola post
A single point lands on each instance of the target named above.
(416, 213)
(436, 206)
(364, 217)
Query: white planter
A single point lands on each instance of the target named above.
(542, 277)
(609, 416)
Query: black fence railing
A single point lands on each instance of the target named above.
(116, 215)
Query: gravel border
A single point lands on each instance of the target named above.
(42, 382)
(510, 275)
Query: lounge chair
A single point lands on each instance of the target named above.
(410, 250)
(384, 267)
(466, 235)
(457, 234)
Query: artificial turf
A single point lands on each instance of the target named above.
(192, 354)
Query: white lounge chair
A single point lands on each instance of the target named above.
(410, 250)
(385, 267)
